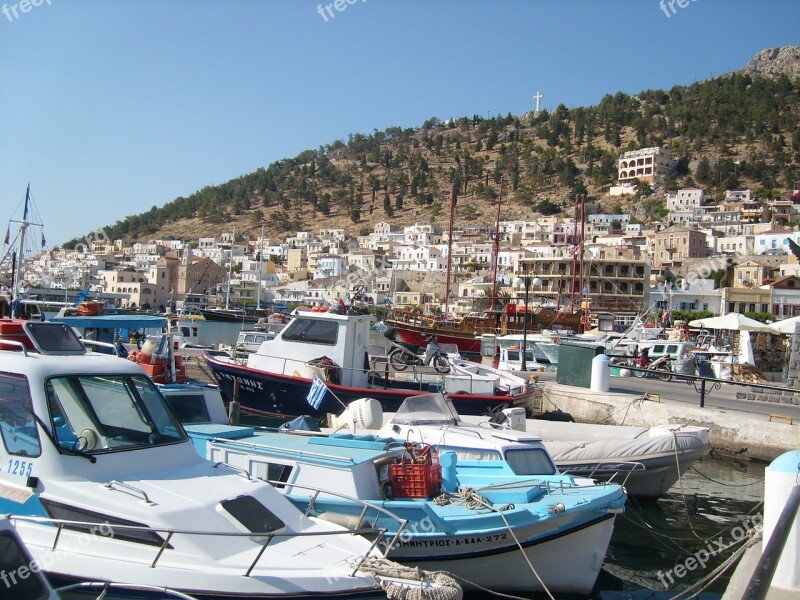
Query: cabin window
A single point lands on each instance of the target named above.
(474, 453)
(272, 473)
(312, 331)
(12, 559)
(189, 408)
(103, 525)
(530, 461)
(20, 436)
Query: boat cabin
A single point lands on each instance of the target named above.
(342, 339)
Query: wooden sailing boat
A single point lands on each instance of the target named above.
(465, 332)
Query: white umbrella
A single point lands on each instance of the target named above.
(786, 327)
(733, 321)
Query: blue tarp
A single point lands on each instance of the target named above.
(114, 322)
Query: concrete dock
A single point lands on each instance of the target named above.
(753, 429)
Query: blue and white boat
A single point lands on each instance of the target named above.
(483, 523)
(102, 483)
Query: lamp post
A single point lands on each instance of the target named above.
(524, 348)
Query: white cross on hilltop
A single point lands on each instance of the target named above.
(537, 97)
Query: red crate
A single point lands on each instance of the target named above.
(416, 480)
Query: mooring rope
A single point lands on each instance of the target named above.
(421, 584)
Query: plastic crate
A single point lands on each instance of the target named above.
(416, 480)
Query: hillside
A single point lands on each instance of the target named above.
(735, 131)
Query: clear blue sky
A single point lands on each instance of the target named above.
(111, 107)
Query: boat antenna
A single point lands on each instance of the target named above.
(449, 250)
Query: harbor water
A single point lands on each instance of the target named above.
(657, 547)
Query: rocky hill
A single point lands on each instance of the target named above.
(775, 62)
(729, 132)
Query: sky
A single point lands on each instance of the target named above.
(112, 107)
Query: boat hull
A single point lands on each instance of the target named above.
(568, 562)
(228, 316)
(466, 344)
(278, 395)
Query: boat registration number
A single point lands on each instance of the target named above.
(450, 542)
(20, 467)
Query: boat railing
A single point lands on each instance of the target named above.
(169, 533)
(104, 587)
(365, 508)
(616, 467)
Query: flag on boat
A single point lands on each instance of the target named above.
(8, 235)
(316, 393)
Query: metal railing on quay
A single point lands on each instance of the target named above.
(702, 382)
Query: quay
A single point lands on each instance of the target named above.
(750, 428)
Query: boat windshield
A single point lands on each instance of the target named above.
(426, 409)
(104, 413)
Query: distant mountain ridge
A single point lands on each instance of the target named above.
(733, 131)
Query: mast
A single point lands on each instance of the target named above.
(496, 249)
(230, 265)
(260, 258)
(18, 268)
(449, 250)
(582, 198)
(574, 277)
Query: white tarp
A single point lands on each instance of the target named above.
(785, 327)
(732, 321)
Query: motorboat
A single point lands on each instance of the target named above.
(276, 380)
(102, 482)
(493, 525)
(22, 576)
(648, 461)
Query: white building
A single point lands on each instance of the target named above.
(686, 199)
(774, 241)
(694, 295)
(646, 164)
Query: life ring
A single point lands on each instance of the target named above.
(585, 320)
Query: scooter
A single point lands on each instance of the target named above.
(402, 355)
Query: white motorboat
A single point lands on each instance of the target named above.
(102, 483)
(334, 347)
(647, 460)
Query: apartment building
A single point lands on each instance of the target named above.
(646, 164)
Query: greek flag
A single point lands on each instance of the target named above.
(316, 393)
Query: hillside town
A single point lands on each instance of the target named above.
(627, 268)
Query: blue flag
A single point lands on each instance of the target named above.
(316, 393)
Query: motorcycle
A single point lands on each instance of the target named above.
(402, 355)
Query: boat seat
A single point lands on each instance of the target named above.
(410, 347)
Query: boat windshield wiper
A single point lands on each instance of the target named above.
(61, 449)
